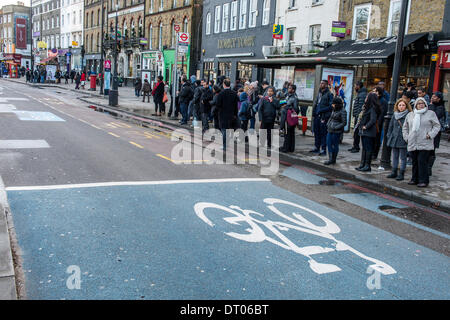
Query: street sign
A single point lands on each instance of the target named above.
(176, 27)
(107, 64)
(434, 57)
(183, 37)
(278, 31)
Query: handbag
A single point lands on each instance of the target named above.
(165, 99)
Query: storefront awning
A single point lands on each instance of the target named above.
(273, 62)
(374, 50)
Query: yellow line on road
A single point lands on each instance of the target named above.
(136, 144)
(113, 134)
(181, 161)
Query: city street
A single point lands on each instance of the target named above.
(99, 197)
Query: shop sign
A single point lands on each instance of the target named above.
(21, 33)
(338, 29)
(42, 45)
(240, 42)
(277, 31)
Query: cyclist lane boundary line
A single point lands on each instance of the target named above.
(134, 183)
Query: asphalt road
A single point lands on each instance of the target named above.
(102, 196)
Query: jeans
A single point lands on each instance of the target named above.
(137, 92)
(184, 112)
(333, 142)
(420, 166)
(320, 134)
(399, 154)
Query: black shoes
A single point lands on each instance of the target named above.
(401, 176)
(393, 174)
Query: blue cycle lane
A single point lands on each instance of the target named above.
(197, 241)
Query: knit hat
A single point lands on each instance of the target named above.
(420, 99)
(439, 95)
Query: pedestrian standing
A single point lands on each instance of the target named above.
(357, 107)
(267, 114)
(244, 110)
(227, 106)
(214, 111)
(367, 130)
(335, 128)
(205, 106)
(380, 122)
(146, 88)
(290, 120)
(137, 86)
(184, 97)
(420, 128)
(83, 79)
(321, 114)
(395, 139)
(438, 107)
(422, 93)
(77, 80)
(158, 94)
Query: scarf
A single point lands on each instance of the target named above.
(399, 115)
(416, 120)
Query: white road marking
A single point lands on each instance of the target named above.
(37, 116)
(7, 108)
(5, 100)
(23, 144)
(134, 183)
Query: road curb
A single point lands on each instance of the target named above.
(8, 290)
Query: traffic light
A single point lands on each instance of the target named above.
(82, 50)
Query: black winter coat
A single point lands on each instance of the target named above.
(322, 109)
(207, 96)
(369, 120)
(227, 106)
(186, 93)
(338, 121)
(268, 110)
(359, 101)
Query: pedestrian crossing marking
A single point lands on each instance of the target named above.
(7, 108)
(23, 144)
(37, 116)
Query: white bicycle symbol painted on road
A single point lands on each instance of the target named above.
(256, 234)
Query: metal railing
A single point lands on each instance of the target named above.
(292, 50)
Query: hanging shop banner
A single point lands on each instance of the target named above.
(338, 29)
(304, 80)
(340, 83)
(278, 31)
(21, 33)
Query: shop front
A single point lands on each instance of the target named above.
(442, 73)
(10, 64)
(93, 62)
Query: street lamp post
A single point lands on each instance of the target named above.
(102, 53)
(114, 92)
(386, 152)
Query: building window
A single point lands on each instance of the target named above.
(234, 11)
(172, 34)
(225, 17)
(291, 35)
(243, 14)
(394, 17)
(160, 37)
(361, 21)
(253, 13)
(314, 33)
(174, 4)
(152, 2)
(185, 25)
(53, 22)
(161, 5)
(266, 12)
(87, 19)
(317, 2)
(140, 27)
(217, 19)
(98, 17)
(292, 4)
(62, 20)
(57, 41)
(208, 23)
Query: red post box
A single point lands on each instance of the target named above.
(93, 82)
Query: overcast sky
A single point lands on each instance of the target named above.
(5, 2)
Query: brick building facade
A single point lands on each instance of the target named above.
(93, 32)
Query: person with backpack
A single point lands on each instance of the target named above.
(245, 113)
(146, 88)
(205, 106)
(335, 127)
(137, 86)
(185, 96)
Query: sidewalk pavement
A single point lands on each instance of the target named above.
(7, 275)
(437, 194)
